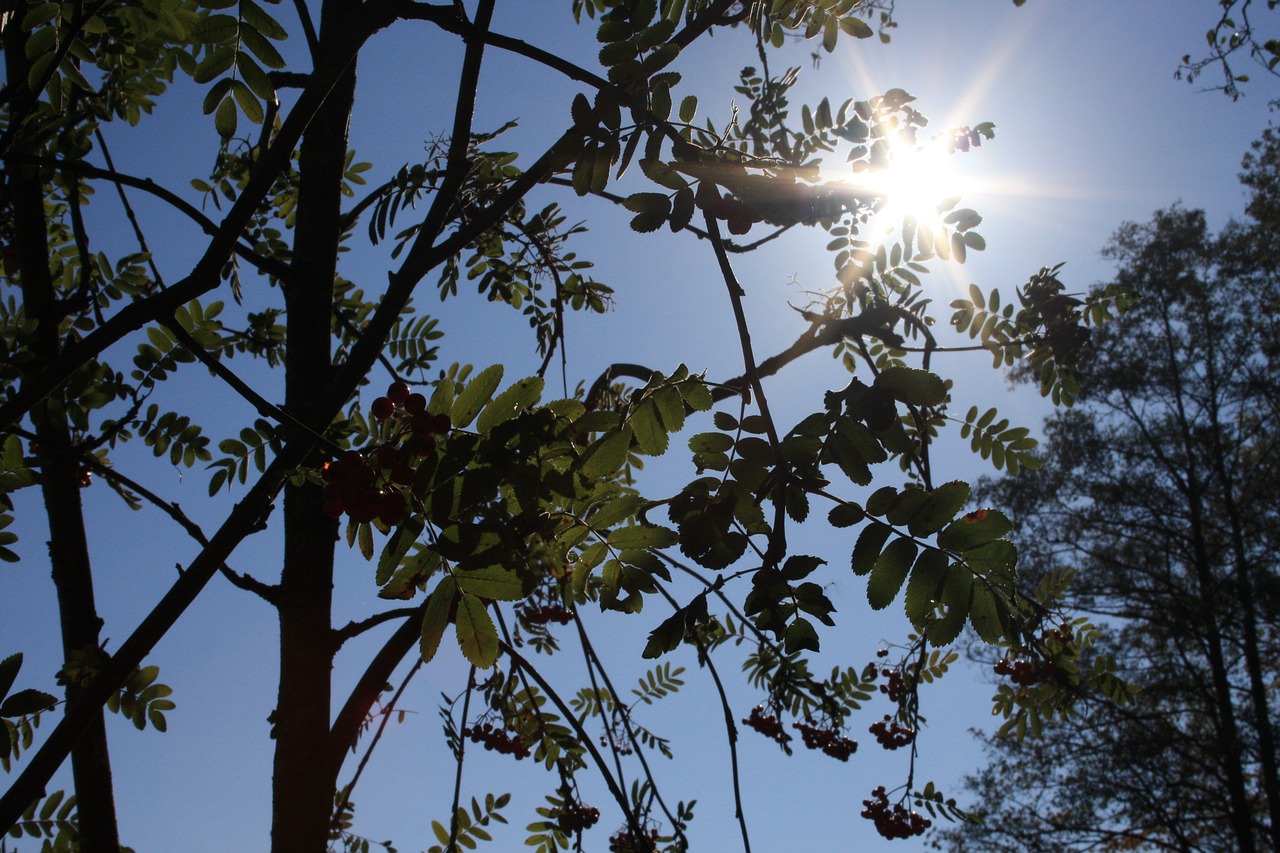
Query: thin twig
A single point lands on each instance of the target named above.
(626, 724)
(731, 728)
(778, 533)
(260, 404)
(583, 737)
(457, 776)
(377, 736)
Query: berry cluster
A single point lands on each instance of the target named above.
(351, 488)
(766, 724)
(740, 217)
(549, 613)
(1025, 673)
(413, 407)
(1063, 634)
(895, 822)
(890, 734)
(497, 740)
(896, 688)
(625, 841)
(575, 817)
(826, 739)
(621, 747)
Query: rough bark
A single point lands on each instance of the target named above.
(304, 779)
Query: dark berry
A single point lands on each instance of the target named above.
(398, 393)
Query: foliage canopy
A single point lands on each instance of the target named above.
(493, 514)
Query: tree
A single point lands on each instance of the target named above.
(1157, 495)
(1239, 33)
(495, 516)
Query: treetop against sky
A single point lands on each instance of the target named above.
(332, 183)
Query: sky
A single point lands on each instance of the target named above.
(1091, 130)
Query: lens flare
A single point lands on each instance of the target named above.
(915, 181)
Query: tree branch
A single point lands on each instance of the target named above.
(347, 724)
(354, 629)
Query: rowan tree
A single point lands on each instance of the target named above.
(491, 511)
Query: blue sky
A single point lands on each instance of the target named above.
(1092, 130)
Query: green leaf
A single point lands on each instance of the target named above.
(493, 582)
(257, 79)
(436, 617)
(9, 672)
(941, 507)
(987, 613)
(867, 549)
(956, 592)
(257, 17)
(26, 702)
(248, 101)
(801, 635)
(924, 589)
(214, 65)
(395, 549)
(710, 442)
(475, 396)
(666, 637)
(977, 528)
(880, 500)
(224, 120)
(607, 455)
(648, 222)
(477, 635)
(855, 27)
(909, 501)
(622, 507)
(215, 29)
(889, 572)
(264, 50)
(845, 515)
(641, 536)
(688, 108)
(651, 436)
(912, 386)
(520, 396)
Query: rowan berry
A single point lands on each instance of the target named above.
(398, 393)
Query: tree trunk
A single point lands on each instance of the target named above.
(60, 485)
(1227, 729)
(305, 777)
(1259, 691)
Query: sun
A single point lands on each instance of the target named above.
(915, 182)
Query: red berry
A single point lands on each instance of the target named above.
(739, 224)
(415, 404)
(391, 508)
(398, 393)
(382, 408)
